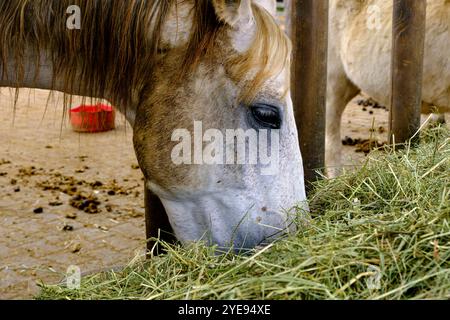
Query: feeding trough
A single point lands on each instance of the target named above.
(92, 118)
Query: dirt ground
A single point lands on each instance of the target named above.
(49, 168)
(76, 199)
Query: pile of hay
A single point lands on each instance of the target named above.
(382, 232)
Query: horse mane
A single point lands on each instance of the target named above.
(269, 54)
(113, 51)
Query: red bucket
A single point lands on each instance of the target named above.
(93, 118)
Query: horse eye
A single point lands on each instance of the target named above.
(266, 116)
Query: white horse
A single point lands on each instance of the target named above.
(360, 60)
(174, 67)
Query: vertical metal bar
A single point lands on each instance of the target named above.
(309, 80)
(409, 22)
(156, 221)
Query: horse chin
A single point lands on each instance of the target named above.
(228, 220)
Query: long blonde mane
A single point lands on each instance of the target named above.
(114, 52)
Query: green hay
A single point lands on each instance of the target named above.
(381, 232)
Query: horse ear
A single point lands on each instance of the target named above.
(269, 5)
(234, 12)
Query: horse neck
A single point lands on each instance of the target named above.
(43, 78)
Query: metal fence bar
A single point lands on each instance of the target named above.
(309, 33)
(409, 20)
(156, 221)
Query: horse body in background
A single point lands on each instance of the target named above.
(167, 64)
(360, 60)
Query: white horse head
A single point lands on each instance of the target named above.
(239, 88)
(205, 85)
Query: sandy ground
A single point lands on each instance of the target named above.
(45, 166)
